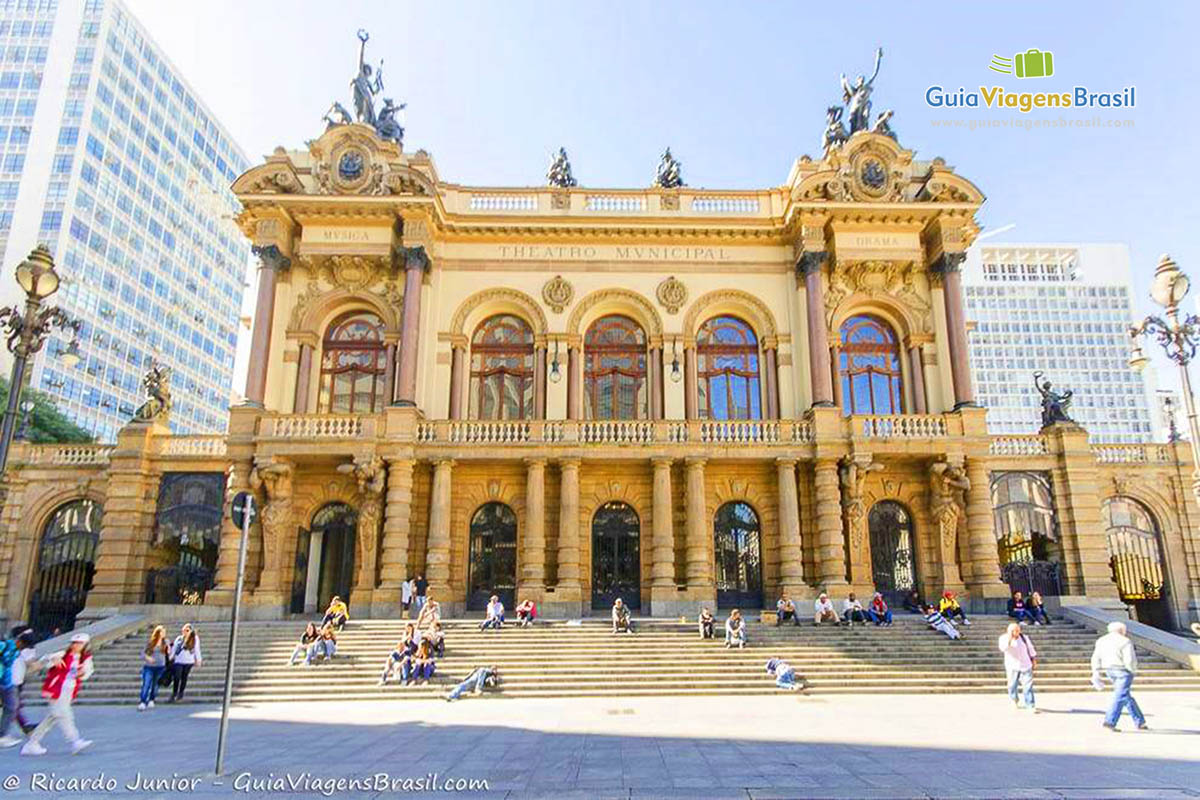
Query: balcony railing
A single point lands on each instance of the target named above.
(194, 446)
(616, 432)
(312, 426)
(70, 455)
(1032, 445)
(906, 426)
(739, 432)
(1132, 453)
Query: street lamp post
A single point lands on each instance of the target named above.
(26, 333)
(1179, 335)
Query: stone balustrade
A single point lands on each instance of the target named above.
(616, 203)
(616, 432)
(1031, 445)
(70, 455)
(740, 432)
(725, 205)
(900, 426)
(503, 202)
(312, 426)
(200, 446)
(1132, 453)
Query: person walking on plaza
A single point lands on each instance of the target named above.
(940, 623)
(785, 609)
(475, 682)
(706, 622)
(852, 611)
(495, 615)
(421, 592)
(66, 672)
(185, 654)
(1020, 658)
(1037, 609)
(823, 610)
(337, 615)
(949, 608)
(1018, 609)
(620, 617)
(735, 630)
(785, 675)
(406, 595)
(878, 612)
(26, 660)
(1115, 657)
(154, 664)
(300, 650)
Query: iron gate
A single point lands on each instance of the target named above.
(1029, 576)
(66, 566)
(493, 564)
(737, 545)
(616, 556)
(893, 562)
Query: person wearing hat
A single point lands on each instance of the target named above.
(24, 641)
(66, 672)
(785, 676)
(823, 610)
(495, 615)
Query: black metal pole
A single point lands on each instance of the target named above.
(223, 731)
(16, 382)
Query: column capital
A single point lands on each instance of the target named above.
(568, 462)
(662, 462)
(535, 461)
(399, 463)
(271, 257)
(947, 262)
(810, 261)
(784, 461)
(696, 462)
(415, 258)
(443, 463)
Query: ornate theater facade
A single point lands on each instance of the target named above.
(675, 396)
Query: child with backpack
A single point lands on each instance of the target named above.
(66, 672)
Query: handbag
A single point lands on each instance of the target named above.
(168, 674)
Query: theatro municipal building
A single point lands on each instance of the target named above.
(674, 396)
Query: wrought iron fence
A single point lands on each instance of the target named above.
(1043, 577)
(178, 585)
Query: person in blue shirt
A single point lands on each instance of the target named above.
(785, 675)
(475, 682)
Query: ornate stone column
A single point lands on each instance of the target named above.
(569, 587)
(948, 266)
(370, 477)
(853, 472)
(238, 480)
(983, 571)
(819, 367)
(533, 554)
(947, 508)
(303, 379)
(699, 535)
(791, 550)
(574, 382)
(654, 375)
(835, 360)
(457, 368)
(271, 262)
(539, 382)
(831, 550)
(770, 358)
(437, 554)
(274, 477)
(397, 525)
(917, 370)
(415, 264)
(663, 594)
(691, 391)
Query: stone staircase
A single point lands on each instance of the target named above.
(558, 659)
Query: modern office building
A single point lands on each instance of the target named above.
(113, 161)
(1060, 309)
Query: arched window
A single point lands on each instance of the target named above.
(727, 370)
(869, 367)
(66, 565)
(893, 559)
(493, 556)
(738, 551)
(1133, 549)
(502, 369)
(1023, 514)
(614, 374)
(353, 364)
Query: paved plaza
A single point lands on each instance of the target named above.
(756, 747)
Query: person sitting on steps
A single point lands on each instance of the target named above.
(475, 682)
(526, 612)
(785, 675)
(878, 611)
(823, 610)
(1019, 610)
(785, 609)
(940, 623)
(950, 608)
(324, 647)
(620, 618)
(852, 611)
(404, 650)
(913, 603)
(430, 613)
(306, 639)
(423, 663)
(495, 615)
(735, 630)
(437, 639)
(706, 622)
(337, 614)
(1037, 609)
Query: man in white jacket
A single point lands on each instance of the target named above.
(823, 610)
(1115, 656)
(1020, 657)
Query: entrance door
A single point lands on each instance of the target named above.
(893, 560)
(736, 544)
(337, 525)
(1135, 556)
(616, 556)
(66, 565)
(493, 564)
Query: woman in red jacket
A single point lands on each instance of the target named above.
(67, 670)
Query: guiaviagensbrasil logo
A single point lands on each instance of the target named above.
(1033, 63)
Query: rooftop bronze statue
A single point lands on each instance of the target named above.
(366, 84)
(559, 173)
(157, 382)
(857, 97)
(668, 175)
(1054, 404)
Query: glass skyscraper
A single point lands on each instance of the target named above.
(113, 161)
(1064, 310)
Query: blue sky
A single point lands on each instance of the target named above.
(737, 90)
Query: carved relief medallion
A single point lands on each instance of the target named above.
(672, 294)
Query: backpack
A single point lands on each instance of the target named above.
(8, 656)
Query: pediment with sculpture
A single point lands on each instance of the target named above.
(899, 283)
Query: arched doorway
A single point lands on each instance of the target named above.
(1135, 556)
(493, 566)
(325, 558)
(893, 558)
(616, 556)
(737, 545)
(66, 565)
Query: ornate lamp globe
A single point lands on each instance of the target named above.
(70, 357)
(1170, 285)
(1137, 359)
(36, 274)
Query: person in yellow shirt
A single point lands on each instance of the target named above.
(337, 614)
(950, 608)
